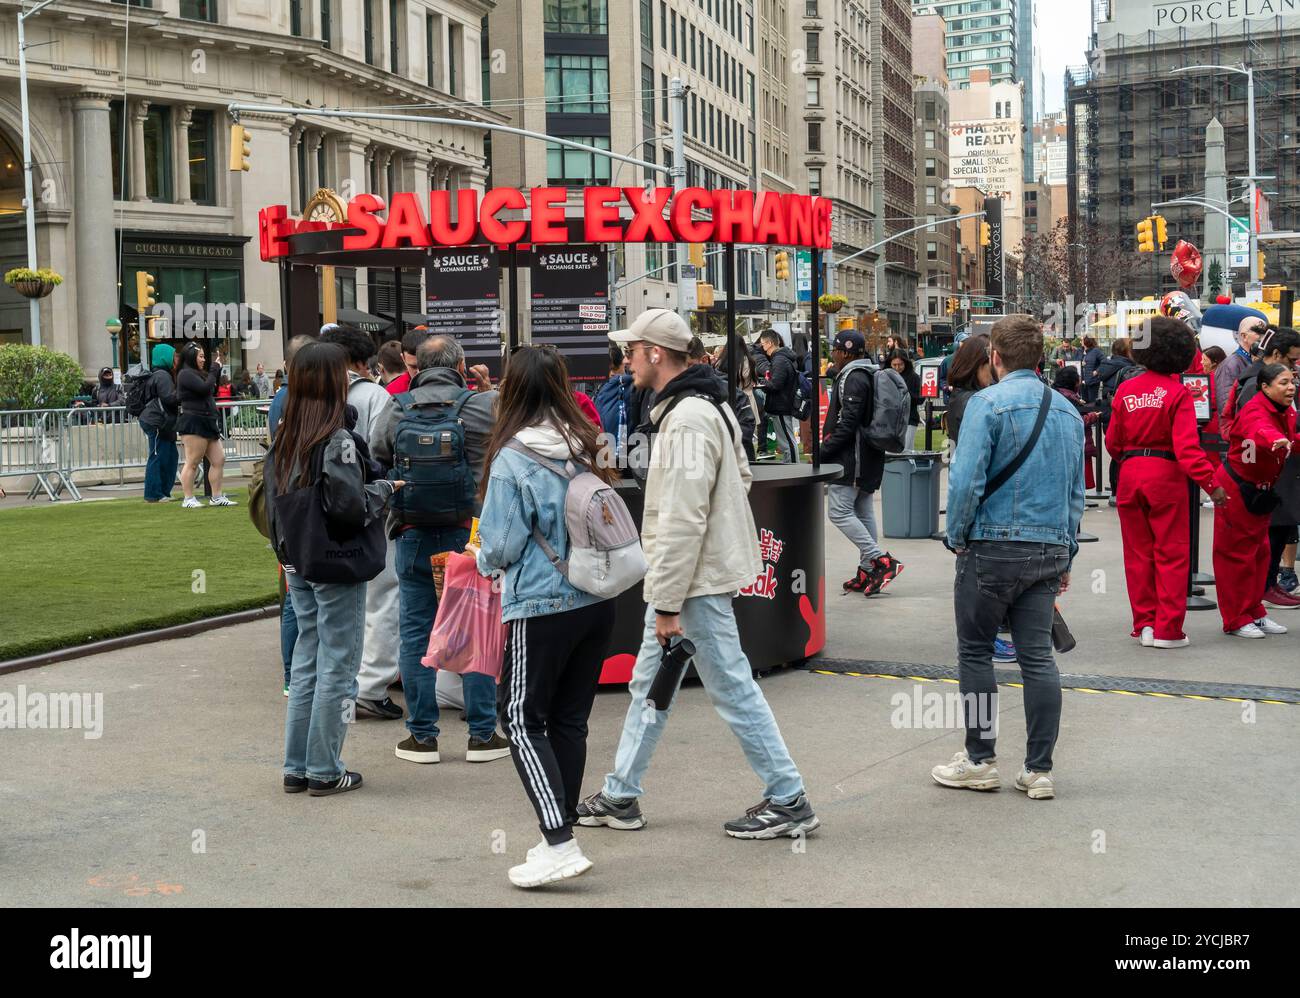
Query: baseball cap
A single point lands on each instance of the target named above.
(659, 326)
(850, 341)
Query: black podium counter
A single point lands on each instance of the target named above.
(782, 616)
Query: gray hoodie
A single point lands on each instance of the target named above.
(438, 384)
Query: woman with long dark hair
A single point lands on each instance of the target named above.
(970, 370)
(558, 634)
(314, 441)
(901, 362)
(199, 425)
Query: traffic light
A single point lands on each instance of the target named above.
(986, 233)
(782, 265)
(1272, 293)
(1162, 230)
(1146, 236)
(695, 254)
(241, 141)
(145, 291)
(953, 305)
(703, 294)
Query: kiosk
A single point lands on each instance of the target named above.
(782, 614)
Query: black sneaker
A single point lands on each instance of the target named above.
(496, 747)
(383, 709)
(612, 812)
(769, 821)
(888, 568)
(859, 582)
(413, 750)
(874, 582)
(324, 788)
(295, 784)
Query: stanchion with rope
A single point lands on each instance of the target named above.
(1097, 491)
(1196, 579)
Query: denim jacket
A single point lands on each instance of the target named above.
(1043, 501)
(521, 494)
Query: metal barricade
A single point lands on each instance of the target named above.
(31, 444)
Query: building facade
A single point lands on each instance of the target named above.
(1137, 132)
(130, 140)
(938, 258)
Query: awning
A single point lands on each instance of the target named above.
(364, 321)
(215, 322)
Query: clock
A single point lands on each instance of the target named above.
(325, 206)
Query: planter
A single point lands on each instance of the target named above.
(33, 288)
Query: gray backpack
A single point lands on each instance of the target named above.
(891, 404)
(605, 556)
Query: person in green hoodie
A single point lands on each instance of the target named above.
(158, 420)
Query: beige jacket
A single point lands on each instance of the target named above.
(697, 531)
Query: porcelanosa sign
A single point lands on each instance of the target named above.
(1199, 13)
(693, 215)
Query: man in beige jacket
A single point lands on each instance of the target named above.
(701, 548)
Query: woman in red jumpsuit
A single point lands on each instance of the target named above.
(1153, 432)
(1259, 441)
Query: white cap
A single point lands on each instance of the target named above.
(659, 326)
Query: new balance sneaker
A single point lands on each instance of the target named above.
(286, 689)
(1182, 642)
(889, 568)
(1004, 651)
(383, 709)
(323, 788)
(546, 864)
(1279, 599)
(295, 784)
(859, 582)
(768, 820)
(623, 813)
(1038, 786)
(1269, 626)
(1287, 581)
(1148, 637)
(964, 774)
(222, 500)
(496, 747)
(413, 750)
(1247, 631)
(191, 503)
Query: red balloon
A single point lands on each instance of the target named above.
(1185, 264)
(1223, 300)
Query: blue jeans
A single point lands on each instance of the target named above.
(160, 470)
(323, 685)
(709, 622)
(417, 607)
(288, 634)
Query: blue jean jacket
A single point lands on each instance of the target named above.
(521, 494)
(1043, 501)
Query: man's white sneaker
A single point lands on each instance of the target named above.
(546, 864)
(1182, 642)
(1269, 626)
(1247, 631)
(961, 772)
(222, 500)
(191, 503)
(1148, 637)
(1038, 786)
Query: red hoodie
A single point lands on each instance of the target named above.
(1261, 422)
(1154, 411)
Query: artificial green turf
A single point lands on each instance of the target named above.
(77, 572)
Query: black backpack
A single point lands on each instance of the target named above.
(429, 455)
(135, 391)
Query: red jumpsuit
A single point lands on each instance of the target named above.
(1154, 412)
(1241, 537)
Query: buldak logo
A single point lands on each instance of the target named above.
(1151, 400)
(93, 952)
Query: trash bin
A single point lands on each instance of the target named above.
(910, 494)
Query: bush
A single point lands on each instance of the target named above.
(37, 377)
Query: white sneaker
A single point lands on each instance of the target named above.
(1038, 786)
(1148, 637)
(546, 864)
(1182, 642)
(191, 503)
(961, 772)
(1248, 631)
(222, 500)
(1269, 626)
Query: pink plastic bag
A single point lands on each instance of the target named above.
(467, 635)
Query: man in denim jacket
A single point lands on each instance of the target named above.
(1014, 551)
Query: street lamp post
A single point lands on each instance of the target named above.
(29, 197)
(1252, 180)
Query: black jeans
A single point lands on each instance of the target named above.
(1278, 538)
(1020, 581)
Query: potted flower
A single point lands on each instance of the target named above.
(33, 283)
(831, 303)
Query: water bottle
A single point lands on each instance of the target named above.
(672, 665)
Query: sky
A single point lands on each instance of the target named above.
(1063, 28)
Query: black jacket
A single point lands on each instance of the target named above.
(761, 363)
(782, 383)
(847, 417)
(197, 390)
(160, 403)
(1108, 382)
(953, 414)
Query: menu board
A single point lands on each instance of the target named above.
(463, 299)
(570, 305)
